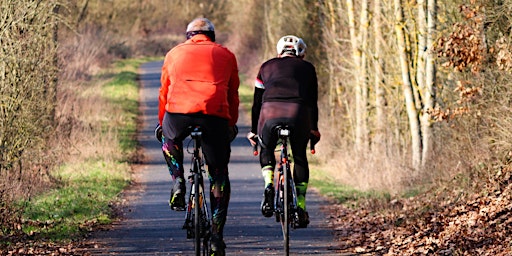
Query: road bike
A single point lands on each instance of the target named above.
(285, 207)
(197, 217)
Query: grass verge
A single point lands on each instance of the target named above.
(89, 186)
(340, 193)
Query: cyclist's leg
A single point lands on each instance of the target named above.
(271, 115)
(216, 149)
(174, 130)
(268, 141)
(299, 142)
(300, 168)
(220, 192)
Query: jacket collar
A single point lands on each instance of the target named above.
(199, 38)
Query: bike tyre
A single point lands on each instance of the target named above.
(285, 222)
(197, 216)
(205, 222)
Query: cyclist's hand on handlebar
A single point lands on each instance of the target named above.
(158, 132)
(314, 137)
(252, 137)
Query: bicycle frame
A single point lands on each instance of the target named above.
(285, 206)
(197, 216)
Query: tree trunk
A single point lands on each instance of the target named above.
(421, 52)
(378, 66)
(429, 92)
(363, 75)
(412, 114)
(358, 40)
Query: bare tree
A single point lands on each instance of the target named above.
(28, 85)
(378, 67)
(428, 91)
(359, 40)
(407, 85)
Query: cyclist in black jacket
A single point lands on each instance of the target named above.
(286, 92)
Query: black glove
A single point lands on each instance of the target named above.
(232, 132)
(314, 137)
(158, 133)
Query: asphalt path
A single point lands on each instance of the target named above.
(149, 227)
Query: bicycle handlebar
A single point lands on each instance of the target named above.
(312, 143)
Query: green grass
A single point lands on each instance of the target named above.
(81, 202)
(246, 92)
(341, 193)
(122, 91)
(87, 189)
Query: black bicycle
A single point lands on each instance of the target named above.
(285, 207)
(197, 216)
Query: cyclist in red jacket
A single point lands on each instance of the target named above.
(286, 92)
(199, 86)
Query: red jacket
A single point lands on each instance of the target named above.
(200, 76)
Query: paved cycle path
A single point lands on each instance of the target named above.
(149, 227)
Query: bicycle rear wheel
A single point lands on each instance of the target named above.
(197, 215)
(205, 221)
(285, 217)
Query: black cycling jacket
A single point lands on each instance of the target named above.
(286, 79)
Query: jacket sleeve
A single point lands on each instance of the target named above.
(314, 101)
(233, 97)
(256, 109)
(259, 89)
(164, 89)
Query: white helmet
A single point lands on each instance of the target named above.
(292, 44)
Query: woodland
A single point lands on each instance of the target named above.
(415, 103)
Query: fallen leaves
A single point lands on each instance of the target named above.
(424, 225)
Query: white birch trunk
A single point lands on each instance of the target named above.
(408, 87)
(429, 92)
